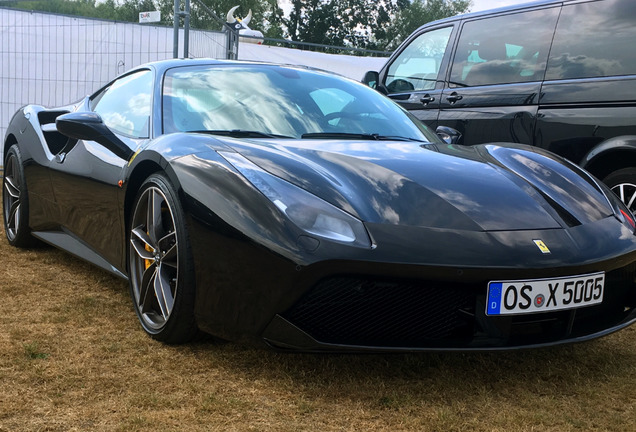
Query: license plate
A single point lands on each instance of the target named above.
(518, 297)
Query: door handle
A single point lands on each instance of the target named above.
(427, 99)
(400, 97)
(454, 97)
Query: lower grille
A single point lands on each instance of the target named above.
(354, 311)
(365, 311)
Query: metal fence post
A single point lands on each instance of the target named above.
(186, 28)
(232, 30)
(177, 11)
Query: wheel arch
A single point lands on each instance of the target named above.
(142, 169)
(8, 142)
(611, 155)
(140, 173)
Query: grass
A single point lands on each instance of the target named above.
(74, 358)
(32, 351)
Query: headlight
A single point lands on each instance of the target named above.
(310, 213)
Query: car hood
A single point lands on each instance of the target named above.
(492, 187)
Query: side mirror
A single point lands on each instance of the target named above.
(90, 126)
(448, 135)
(371, 78)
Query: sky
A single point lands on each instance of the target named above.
(479, 5)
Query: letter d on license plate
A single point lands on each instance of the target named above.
(516, 297)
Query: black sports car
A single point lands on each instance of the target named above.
(293, 207)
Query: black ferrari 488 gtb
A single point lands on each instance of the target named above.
(305, 211)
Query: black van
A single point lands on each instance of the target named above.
(556, 74)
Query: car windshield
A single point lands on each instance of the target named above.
(268, 100)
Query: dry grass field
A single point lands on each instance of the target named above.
(73, 358)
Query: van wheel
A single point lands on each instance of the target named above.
(623, 183)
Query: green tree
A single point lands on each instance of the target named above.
(129, 10)
(66, 7)
(266, 15)
(416, 14)
(124, 11)
(359, 23)
(339, 22)
(109, 9)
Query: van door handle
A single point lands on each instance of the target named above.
(401, 96)
(454, 97)
(427, 99)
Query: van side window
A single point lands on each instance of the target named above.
(417, 67)
(503, 49)
(601, 44)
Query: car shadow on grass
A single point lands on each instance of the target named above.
(403, 380)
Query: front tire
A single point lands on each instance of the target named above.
(15, 201)
(160, 265)
(623, 183)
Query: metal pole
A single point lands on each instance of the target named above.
(232, 30)
(175, 49)
(236, 44)
(229, 45)
(186, 30)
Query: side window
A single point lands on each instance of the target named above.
(594, 40)
(503, 49)
(125, 105)
(417, 67)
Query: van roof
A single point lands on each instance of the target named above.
(520, 6)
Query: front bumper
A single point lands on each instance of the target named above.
(419, 289)
(361, 313)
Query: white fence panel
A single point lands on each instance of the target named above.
(53, 60)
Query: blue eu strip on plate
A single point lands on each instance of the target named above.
(494, 298)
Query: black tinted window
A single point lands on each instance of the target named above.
(417, 67)
(594, 40)
(503, 49)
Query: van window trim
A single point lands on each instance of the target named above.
(443, 68)
(464, 21)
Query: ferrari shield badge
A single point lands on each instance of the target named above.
(542, 246)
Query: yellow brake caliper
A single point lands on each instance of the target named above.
(148, 263)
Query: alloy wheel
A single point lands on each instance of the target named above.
(154, 263)
(627, 193)
(11, 197)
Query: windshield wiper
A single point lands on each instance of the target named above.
(240, 133)
(361, 136)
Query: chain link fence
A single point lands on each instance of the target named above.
(53, 60)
